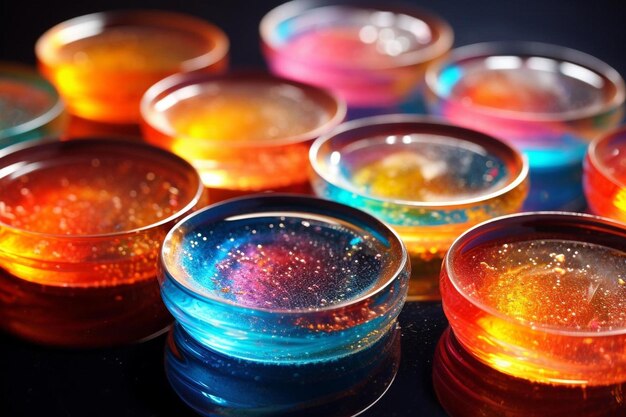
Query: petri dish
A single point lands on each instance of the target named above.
(548, 101)
(370, 53)
(539, 296)
(430, 181)
(284, 279)
(102, 63)
(244, 132)
(81, 224)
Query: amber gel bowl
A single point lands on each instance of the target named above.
(81, 225)
(541, 296)
(428, 180)
(244, 132)
(102, 63)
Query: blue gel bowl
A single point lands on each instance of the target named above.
(284, 279)
(217, 385)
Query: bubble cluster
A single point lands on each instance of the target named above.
(281, 262)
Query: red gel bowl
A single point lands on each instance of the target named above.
(541, 296)
(81, 225)
(604, 179)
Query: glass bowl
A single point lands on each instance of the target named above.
(540, 296)
(102, 63)
(81, 224)
(30, 107)
(370, 53)
(244, 132)
(284, 279)
(604, 178)
(430, 181)
(546, 100)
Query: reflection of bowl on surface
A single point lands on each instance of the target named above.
(218, 385)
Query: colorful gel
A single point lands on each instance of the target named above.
(103, 63)
(30, 108)
(550, 310)
(430, 187)
(217, 385)
(81, 225)
(310, 284)
(242, 132)
(424, 168)
(549, 107)
(604, 177)
(371, 57)
(281, 263)
(87, 197)
(561, 284)
(463, 385)
(106, 203)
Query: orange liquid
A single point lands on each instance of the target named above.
(240, 136)
(103, 77)
(566, 307)
(70, 207)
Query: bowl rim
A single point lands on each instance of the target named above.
(34, 80)
(573, 220)
(529, 49)
(420, 121)
(124, 146)
(168, 85)
(45, 47)
(295, 8)
(597, 162)
(301, 204)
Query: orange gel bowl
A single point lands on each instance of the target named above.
(102, 63)
(81, 225)
(243, 132)
(541, 296)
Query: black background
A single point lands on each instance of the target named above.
(129, 381)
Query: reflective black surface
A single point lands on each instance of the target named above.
(130, 381)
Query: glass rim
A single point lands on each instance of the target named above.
(28, 74)
(172, 83)
(530, 49)
(125, 147)
(300, 204)
(101, 20)
(573, 220)
(295, 8)
(418, 121)
(597, 162)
